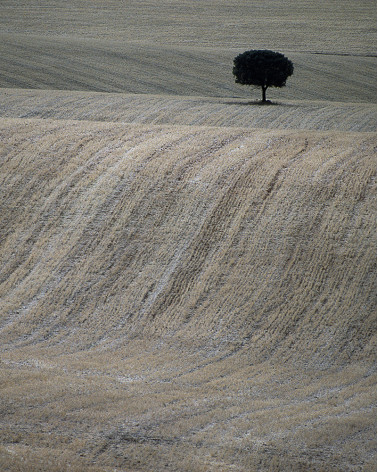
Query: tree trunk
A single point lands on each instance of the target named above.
(264, 87)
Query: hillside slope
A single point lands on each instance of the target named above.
(71, 63)
(187, 279)
(210, 292)
(171, 226)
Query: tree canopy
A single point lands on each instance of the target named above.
(262, 68)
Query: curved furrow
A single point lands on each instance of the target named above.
(244, 234)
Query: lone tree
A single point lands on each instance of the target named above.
(262, 68)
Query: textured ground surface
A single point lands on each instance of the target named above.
(187, 279)
(197, 111)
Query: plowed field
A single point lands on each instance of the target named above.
(187, 278)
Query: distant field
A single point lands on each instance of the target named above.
(187, 278)
(187, 48)
(114, 66)
(197, 111)
(301, 25)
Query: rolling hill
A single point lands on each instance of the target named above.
(187, 279)
(187, 111)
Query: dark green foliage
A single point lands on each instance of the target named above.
(262, 68)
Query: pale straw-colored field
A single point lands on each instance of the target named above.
(187, 279)
(181, 110)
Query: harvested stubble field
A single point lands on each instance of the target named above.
(187, 281)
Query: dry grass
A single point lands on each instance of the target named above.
(190, 111)
(187, 281)
(187, 48)
(331, 27)
(244, 418)
(189, 297)
(155, 68)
